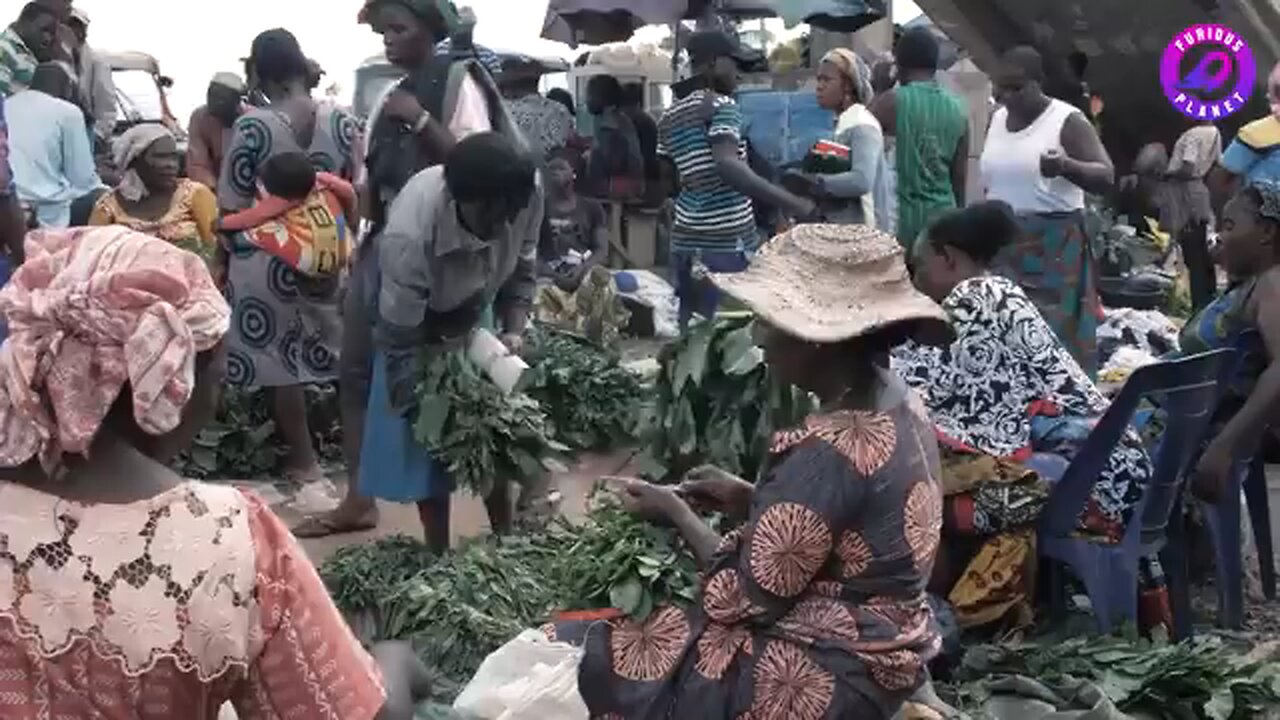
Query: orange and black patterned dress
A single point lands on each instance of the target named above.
(815, 609)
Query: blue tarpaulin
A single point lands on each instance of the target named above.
(782, 126)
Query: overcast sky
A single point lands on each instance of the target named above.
(209, 37)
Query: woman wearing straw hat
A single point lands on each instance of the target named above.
(815, 606)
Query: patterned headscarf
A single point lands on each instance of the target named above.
(92, 309)
(128, 148)
(853, 68)
(1269, 191)
(445, 9)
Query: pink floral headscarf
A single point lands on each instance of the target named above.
(91, 309)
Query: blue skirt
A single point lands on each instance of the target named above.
(394, 466)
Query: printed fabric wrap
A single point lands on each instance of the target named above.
(90, 310)
(311, 235)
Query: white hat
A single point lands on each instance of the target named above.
(80, 15)
(229, 80)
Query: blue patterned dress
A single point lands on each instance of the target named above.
(286, 329)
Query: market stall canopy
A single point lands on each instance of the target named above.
(843, 16)
(597, 22)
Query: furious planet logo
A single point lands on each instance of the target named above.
(1208, 72)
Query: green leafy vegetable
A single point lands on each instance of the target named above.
(479, 433)
(717, 403)
(591, 400)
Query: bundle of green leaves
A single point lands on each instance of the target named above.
(243, 441)
(591, 400)
(479, 433)
(1199, 678)
(459, 608)
(717, 403)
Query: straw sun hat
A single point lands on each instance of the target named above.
(829, 283)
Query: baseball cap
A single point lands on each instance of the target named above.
(706, 45)
(80, 16)
(229, 80)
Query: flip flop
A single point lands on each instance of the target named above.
(322, 526)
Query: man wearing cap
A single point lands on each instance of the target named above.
(702, 136)
(97, 89)
(210, 127)
(546, 124)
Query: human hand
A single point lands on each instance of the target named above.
(513, 341)
(714, 489)
(402, 106)
(645, 499)
(1053, 163)
(1212, 473)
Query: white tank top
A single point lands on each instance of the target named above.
(1011, 163)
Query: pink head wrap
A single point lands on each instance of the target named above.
(91, 309)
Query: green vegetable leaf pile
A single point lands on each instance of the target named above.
(717, 403)
(480, 434)
(244, 443)
(459, 608)
(591, 400)
(1202, 678)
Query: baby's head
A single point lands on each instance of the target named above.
(289, 176)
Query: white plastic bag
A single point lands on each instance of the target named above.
(529, 678)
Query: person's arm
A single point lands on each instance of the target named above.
(304, 637)
(960, 170)
(725, 135)
(515, 298)
(1243, 431)
(104, 99)
(204, 210)
(77, 155)
(599, 235)
(885, 110)
(101, 214)
(1086, 164)
(13, 226)
(1224, 180)
(200, 162)
(866, 145)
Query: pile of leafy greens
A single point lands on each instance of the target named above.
(717, 403)
(463, 606)
(243, 441)
(478, 432)
(591, 400)
(1202, 678)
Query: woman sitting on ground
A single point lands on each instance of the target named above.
(153, 198)
(1250, 251)
(125, 590)
(815, 607)
(1006, 389)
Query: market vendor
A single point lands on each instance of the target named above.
(126, 585)
(460, 239)
(575, 232)
(1250, 250)
(815, 606)
(1041, 156)
(847, 195)
(1005, 390)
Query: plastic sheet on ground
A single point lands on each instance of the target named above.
(650, 289)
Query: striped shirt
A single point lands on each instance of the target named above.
(17, 63)
(710, 215)
(931, 122)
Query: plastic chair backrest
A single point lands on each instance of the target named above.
(1188, 392)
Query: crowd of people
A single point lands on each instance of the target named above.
(951, 346)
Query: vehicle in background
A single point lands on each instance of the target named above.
(375, 75)
(141, 94)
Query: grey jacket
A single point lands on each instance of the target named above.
(844, 191)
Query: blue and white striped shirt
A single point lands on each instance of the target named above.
(710, 215)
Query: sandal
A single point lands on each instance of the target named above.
(322, 526)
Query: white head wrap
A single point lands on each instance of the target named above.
(128, 148)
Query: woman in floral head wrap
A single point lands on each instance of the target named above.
(1246, 316)
(126, 591)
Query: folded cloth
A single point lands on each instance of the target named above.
(311, 235)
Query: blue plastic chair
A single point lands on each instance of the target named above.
(1224, 523)
(1187, 390)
